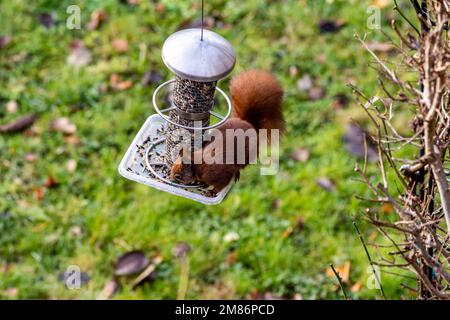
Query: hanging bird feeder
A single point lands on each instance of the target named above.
(198, 58)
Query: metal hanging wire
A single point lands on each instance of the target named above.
(203, 18)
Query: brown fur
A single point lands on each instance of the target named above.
(257, 98)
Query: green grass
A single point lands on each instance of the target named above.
(37, 238)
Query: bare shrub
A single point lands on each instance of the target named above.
(419, 192)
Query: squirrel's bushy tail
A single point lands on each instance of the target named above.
(257, 97)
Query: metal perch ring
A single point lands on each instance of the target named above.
(149, 167)
(161, 112)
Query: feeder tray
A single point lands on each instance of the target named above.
(150, 139)
(199, 58)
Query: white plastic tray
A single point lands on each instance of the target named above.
(132, 165)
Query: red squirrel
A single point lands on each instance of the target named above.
(257, 98)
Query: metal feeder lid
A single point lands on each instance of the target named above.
(210, 59)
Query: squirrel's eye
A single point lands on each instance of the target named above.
(177, 176)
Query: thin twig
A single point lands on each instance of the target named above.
(397, 8)
(341, 284)
(370, 259)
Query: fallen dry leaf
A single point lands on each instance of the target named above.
(293, 71)
(120, 45)
(181, 249)
(270, 296)
(33, 131)
(340, 101)
(5, 268)
(159, 7)
(343, 271)
(220, 289)
(103, 88)
(354, 142)
(231, 237)
(39, 227)
(23, 204)
(71, 165)
(300, 154)
(76, 231)
(124, 85)
(11, 293)
(299, 223)
(316, 93)
(373, 236)
(31, 157)
(5, 40)
(298, 226)
(287, 232)
(64, 126)
(356, 287)
(297, 296)
(12, 106)
(109, 289)
(50, 182)
(381, 3)
(381, 47)
(117, 84)
(387, 208)
(305, 83)
(276, 204)
(256, 295)
(79, 56)
(97, 18)
(38, 193)
(19, 124)
(231, 257)
(130, 263)
(73, 140)
(60, 150)
(130, 2)
(326, 184)
(6, 163)
(321, 58)
(331, 26)
(46, 19)
(18, 57)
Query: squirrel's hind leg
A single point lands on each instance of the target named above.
(223, 182)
